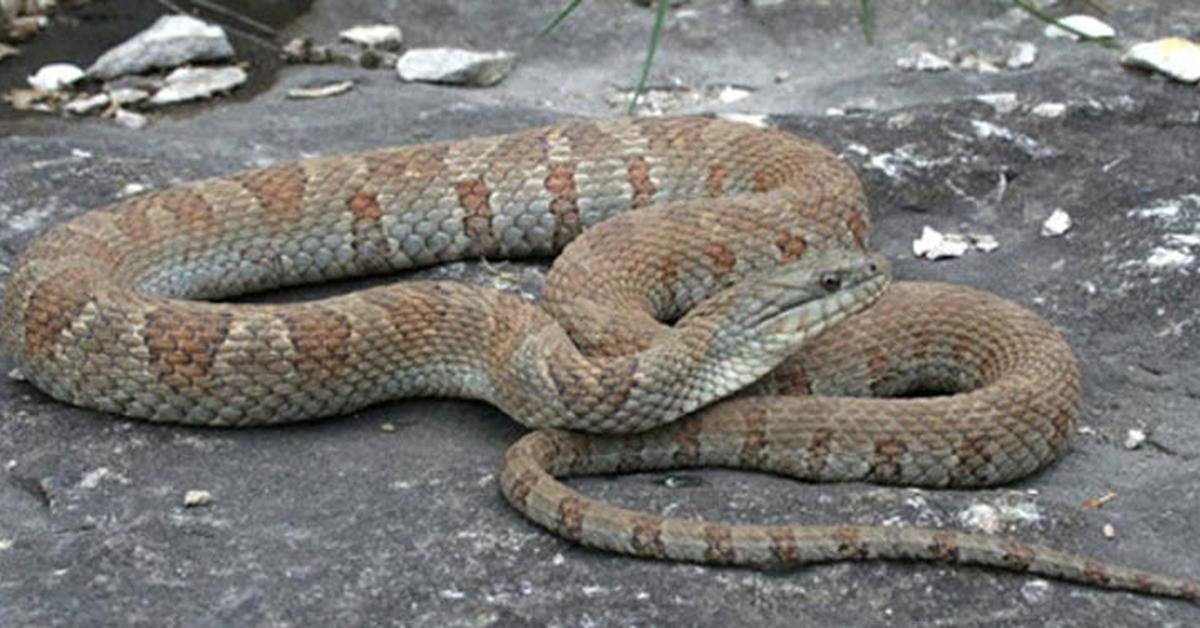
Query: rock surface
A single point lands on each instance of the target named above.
(455, 66)
(346, 522)
(172, 40)
(186, 84)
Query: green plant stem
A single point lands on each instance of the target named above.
(660, 19)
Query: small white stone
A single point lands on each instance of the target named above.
(132, 188)
(1057, 224)
(455, 66)
(1049, 110)
(984, 242)
(16, 375)
(1035, 591)
(1163, 257)
(197, 498)
(981, 517)
(730, 94)
(388, 427)
(1023, 55)
(84, 106)
(1085, 24)
(130, 119)
(128, 95)
(753, 119)
(382, 36)
(1003, 102)
(924, 61)
(184, 84)
(1109, 531)
(934, 244)
(1134, 439)
(1176, 57)
(55, 77)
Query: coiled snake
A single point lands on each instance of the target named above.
(752, 241)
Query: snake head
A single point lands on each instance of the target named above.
(754, 325)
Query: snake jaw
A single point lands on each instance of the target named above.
(805, 301)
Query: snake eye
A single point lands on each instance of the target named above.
(830, 281)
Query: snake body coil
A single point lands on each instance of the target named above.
(753, 240)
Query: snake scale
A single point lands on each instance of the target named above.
(686, 333)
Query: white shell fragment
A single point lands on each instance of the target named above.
(381, 36)
(192, 83)
(172, 40)
(1175, 57)
(1109, 531)
(56, 76)
(455, 66)
(1057, 224)
(197, 498)
(1085, 24)
(1134, 439)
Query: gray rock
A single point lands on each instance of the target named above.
(381, 36)
(170, 41)
(87, 104)
(455, 66)
(1176, 57)
(193, 83)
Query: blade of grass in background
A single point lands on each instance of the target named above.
(1030, 8)
(867, 18)
(660, 19)
(562, 15)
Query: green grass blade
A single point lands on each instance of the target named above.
(562, 15)
(867, 17)
(1030, 8)
(660, 19)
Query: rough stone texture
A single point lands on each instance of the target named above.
(350, 521)
(171, 41)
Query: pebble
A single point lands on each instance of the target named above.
(16, 375)
(388, 427)
(86, 105)
(1175, 57)
(129, 119)
(1035, 591)
(753, 119)
(381, 36)
(1085, 24)
(1003, 102)
(1058, 223)
(1049, 110)
(324, 90)
(934, 245)
(924, 62)
(184, 84)
(1023, 55)
(171, 41)
(1109, 531)
(455, 66)
(197, 498)
(303, 50)
(1134, 439)
(127, 95)
(7, 51)
(56, 76)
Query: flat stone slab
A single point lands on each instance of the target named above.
(393, 516)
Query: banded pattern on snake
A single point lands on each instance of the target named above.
(752, 241)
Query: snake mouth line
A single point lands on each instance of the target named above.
(810, 316)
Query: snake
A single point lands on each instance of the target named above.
(713, 301)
